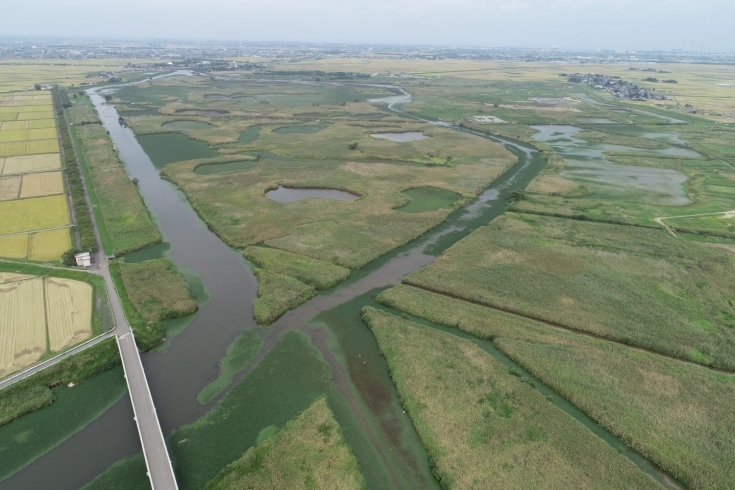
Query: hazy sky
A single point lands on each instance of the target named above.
(635, 24)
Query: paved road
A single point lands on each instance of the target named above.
(160, 470)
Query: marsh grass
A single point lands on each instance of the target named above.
(632, 285)
(157, 289)
(675, 414)
(483, 426)
(237, 357)
(308, 452)
(277, 294)
(125, 221)
(318, 273)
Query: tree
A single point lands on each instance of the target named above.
(37, 87)
(517, 195)
(352, 146)
(108, 97)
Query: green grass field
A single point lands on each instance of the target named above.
(157, 289)
(674, 413)
(125, 223)
(277, 294)
(309, 452)
(485, 427)
(318, 273)
(633, 285)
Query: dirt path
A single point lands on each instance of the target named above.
(660, 220)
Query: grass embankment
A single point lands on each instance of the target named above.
(308, 452)
(124, 221)
(633, 285)
(82, 218)
(277, 294)
(34, 392)
(318, 273)
(239, 353)
(675, 414)
(150, 292)
(484, 427)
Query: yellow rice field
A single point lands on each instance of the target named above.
(14, 247)
(34, 147)
(40, 184)
(68, 312)
(31, 322)
(38, 213)
(31, 163)
(22, 322)
(9, 187)
(48, 245)
(12, 148)
(14, 125)
(40, 123)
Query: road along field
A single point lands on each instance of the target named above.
(38, 315)
(32, 188)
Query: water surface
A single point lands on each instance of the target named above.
(290, 194)
(401, 137)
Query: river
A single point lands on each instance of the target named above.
(190, 362)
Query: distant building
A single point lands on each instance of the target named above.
(83, 259)
(232, 65)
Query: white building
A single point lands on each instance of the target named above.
(83, 259)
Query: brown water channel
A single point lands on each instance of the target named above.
(394, 457)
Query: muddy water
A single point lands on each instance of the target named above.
(190, 362)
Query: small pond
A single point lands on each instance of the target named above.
(401, 137)
(427, 199)
(290, 194)
(202, 112)
(300, 129)
(180, 125)
(249, 135)
(165, 148)
(221, 168)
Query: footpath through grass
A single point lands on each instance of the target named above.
(633, 285)
(308, 452)
(484, 427)
(675, 414)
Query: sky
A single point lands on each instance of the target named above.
(695, 25)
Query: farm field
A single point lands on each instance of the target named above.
(32, 189)
(39, 315)
(479, 422)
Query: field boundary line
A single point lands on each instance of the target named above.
(566, 328)
(660, 219)
(38, 231)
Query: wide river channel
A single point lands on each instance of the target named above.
(394, 457)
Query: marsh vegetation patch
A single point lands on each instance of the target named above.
(222, 168)
(184, 125)
(425, 199)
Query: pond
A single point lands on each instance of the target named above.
(182, 125)
(300, 129)
(427, 199)
(586, 163)
(221, 168)
(401, 137)
(290, 194)
(165, 148)
(202, 112)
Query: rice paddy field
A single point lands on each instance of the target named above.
(41, 315)
(35, 223)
